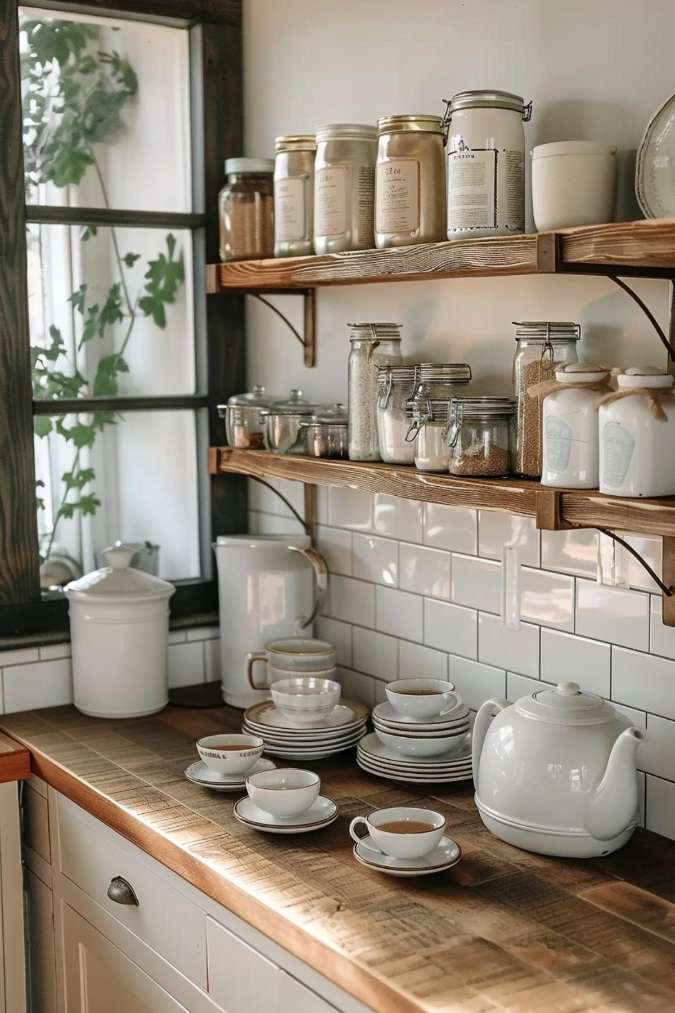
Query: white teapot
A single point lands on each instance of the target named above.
(555, 772)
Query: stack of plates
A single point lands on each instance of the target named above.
(202, 775)
(387, 720)
(341, 730)
(376, 758)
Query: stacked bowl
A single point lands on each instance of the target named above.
(422, 734)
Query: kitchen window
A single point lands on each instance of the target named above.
(113, 361)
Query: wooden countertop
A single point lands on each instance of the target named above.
(14, 760)
(503, 930)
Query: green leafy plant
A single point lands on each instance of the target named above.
(74, 95)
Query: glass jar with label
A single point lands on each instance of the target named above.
(570, 428)
(246, 209)
(410, 181)
(293, 194)
(480, 436)
(486, 163)
(372, 345)
(637, 435)
(394, 387)
(344, 187)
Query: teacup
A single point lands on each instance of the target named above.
(230, 754)
(293, 655)
(284, 792)
(402, 831)
(420, 699)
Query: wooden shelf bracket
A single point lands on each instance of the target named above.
(308, 341)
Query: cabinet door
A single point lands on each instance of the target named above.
(41, 975)
(99, 978)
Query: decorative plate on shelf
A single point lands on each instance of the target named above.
(655, 164)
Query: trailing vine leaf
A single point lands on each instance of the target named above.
(78, 479)
(78, 298)
(81, 435)
(164, 277)
(105, 381)
(131, 258)
(42, 426)
(111, 311)
(88, 232)
(39, 500)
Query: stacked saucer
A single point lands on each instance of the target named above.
(282, 736)
(450, 766)
(417, 738)
(205, 777)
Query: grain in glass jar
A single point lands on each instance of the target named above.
(394, 387)
(570, 425)
(372, 345)
(542, 347)
(410, 181)
(293, 194)
(344, 187)
(246, 209)
(480, 436)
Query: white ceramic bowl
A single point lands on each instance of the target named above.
(305, 700)
(410, 745)
(299, 654)
(275, 674)
(285, 792)
(402, 845)
(230, 761)
(422, 698)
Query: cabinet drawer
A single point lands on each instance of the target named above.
(242, 980)
(91, 855)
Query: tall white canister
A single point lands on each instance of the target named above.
(570, 424)
(119, 627)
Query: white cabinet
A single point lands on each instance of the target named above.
(40, 956)
(12, 967)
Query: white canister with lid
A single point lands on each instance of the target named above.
(637, 435)
(573, 183)
(119, 626)
(570, 426)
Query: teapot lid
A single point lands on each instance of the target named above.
(118, 582)
(566, 704)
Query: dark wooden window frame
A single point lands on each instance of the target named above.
(217, 125)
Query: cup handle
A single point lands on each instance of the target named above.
(355, 837)
(320, 567)
(250, 662)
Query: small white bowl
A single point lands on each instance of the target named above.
(247, 749)
(422, 698)
(284, 792)
(410, 745)
(305, 700)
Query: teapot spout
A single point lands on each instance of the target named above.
(613, 805)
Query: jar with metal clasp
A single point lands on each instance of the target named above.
(394, 387)
(372, 345)
(480, 436)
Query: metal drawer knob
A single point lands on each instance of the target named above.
(122, 892)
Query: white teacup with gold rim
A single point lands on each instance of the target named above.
(230, 754)
(421, 699)
(401, 831)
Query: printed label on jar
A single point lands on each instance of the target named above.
(557, 444)
(289, 210)
(398, 196)
(330, 208)
(366, 195)
(617, 447)
(486, 189)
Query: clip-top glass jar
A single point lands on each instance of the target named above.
(372, 345)
(293, 194)
(410, 181)
(344, 187)
(435, 385)
(246, 209)
(542, 347)
(394, 387)
(480, 436)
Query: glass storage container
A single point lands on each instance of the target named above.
(344, 187)
(394, 387)
(570, 426)
(294, 195)
(282, 420)
(428, 431)
(372, 345)
(243, 425)
(480, 436)
(542, 347)
(326, 433)
(246, 209)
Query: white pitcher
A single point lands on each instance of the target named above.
(266, 592)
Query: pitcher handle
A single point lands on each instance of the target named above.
(250, 662)
(480, 727)
(320, 568)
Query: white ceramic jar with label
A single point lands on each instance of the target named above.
(570, 427)
(486, 163)
(573, 183)
(637, 449)
(344, 187)
(293, 194)
(409, 181)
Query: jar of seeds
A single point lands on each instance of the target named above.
(542, 347)
(372, 345)
(480, 436)
(394, 387)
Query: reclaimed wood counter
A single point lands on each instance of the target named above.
(503, 930)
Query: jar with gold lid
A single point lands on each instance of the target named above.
(293, 194)
(344, 187)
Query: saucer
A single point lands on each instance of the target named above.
(444, 856)
(205, 777)
(385, 713)
(264, 716)
(321, 813)
(373, 749)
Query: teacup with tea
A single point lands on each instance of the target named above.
(421, 699)
(401, 831)
(230, 754)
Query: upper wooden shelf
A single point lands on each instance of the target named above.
(644, 248)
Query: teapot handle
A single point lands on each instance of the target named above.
(320, 568)
(483, 718)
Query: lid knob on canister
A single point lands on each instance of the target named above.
(569, 688)
(118, 556)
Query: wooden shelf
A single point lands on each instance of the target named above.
(645, 248)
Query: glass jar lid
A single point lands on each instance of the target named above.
(410, 122)
(395, 375)
(376, 331)
(444, 372)
(490, 99)
(253, 166)
(547, 330)
(482, 409)
(295, 404)
(565, 704)
(645, 376)
(332, 414)
(295, 142)
(581, 372)
(422, 409)
(346, 132)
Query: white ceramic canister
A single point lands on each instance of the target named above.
(637, 435)
(119, 627)
(486, 163)
(573, 183)
(265, 591)
(293, 194)
(344, 187)
(570, 426)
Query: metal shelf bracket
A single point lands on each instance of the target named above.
(308, 342)
(665, 339)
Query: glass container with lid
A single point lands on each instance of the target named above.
(570, 425)
(243, 426)
(428, 430)
(409, 181)
(325, 434)
(281, 423)
(542, 347)
(394, 387)
(480, 436)
(344, 187)
(372, 345)
(293, 194)
(246, 209)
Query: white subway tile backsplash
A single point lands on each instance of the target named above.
(177, 636)
(496, 528)
(643, 681)
(613, 614)
(547, 598)
(335, 545)
(350, 508)
(212, 672)
(339, 635)
(572, 552)
(352, 601)
(186, 664)
(636, 718)
(356, 686)
(660, 806)
(399, 613)
(475, 682)
(515, 649)
(424, 571)
(51, 652)
(452, 528)
(565, 658)
(272, 524)
(656, 755)
(521, 685)
(20, 656)
(374, 653)
(662, 637)
(43, 684)
(476, 582)
(651, 550)
(203, 633)
(262, 499)
(417, 662)
(398, 518)
(375, 559)
(322, 504)
(294, 493)
(451, 628)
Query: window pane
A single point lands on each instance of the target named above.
(131, 476)
(111, 311)
(106, 112)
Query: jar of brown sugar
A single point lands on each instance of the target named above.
(246, 209)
